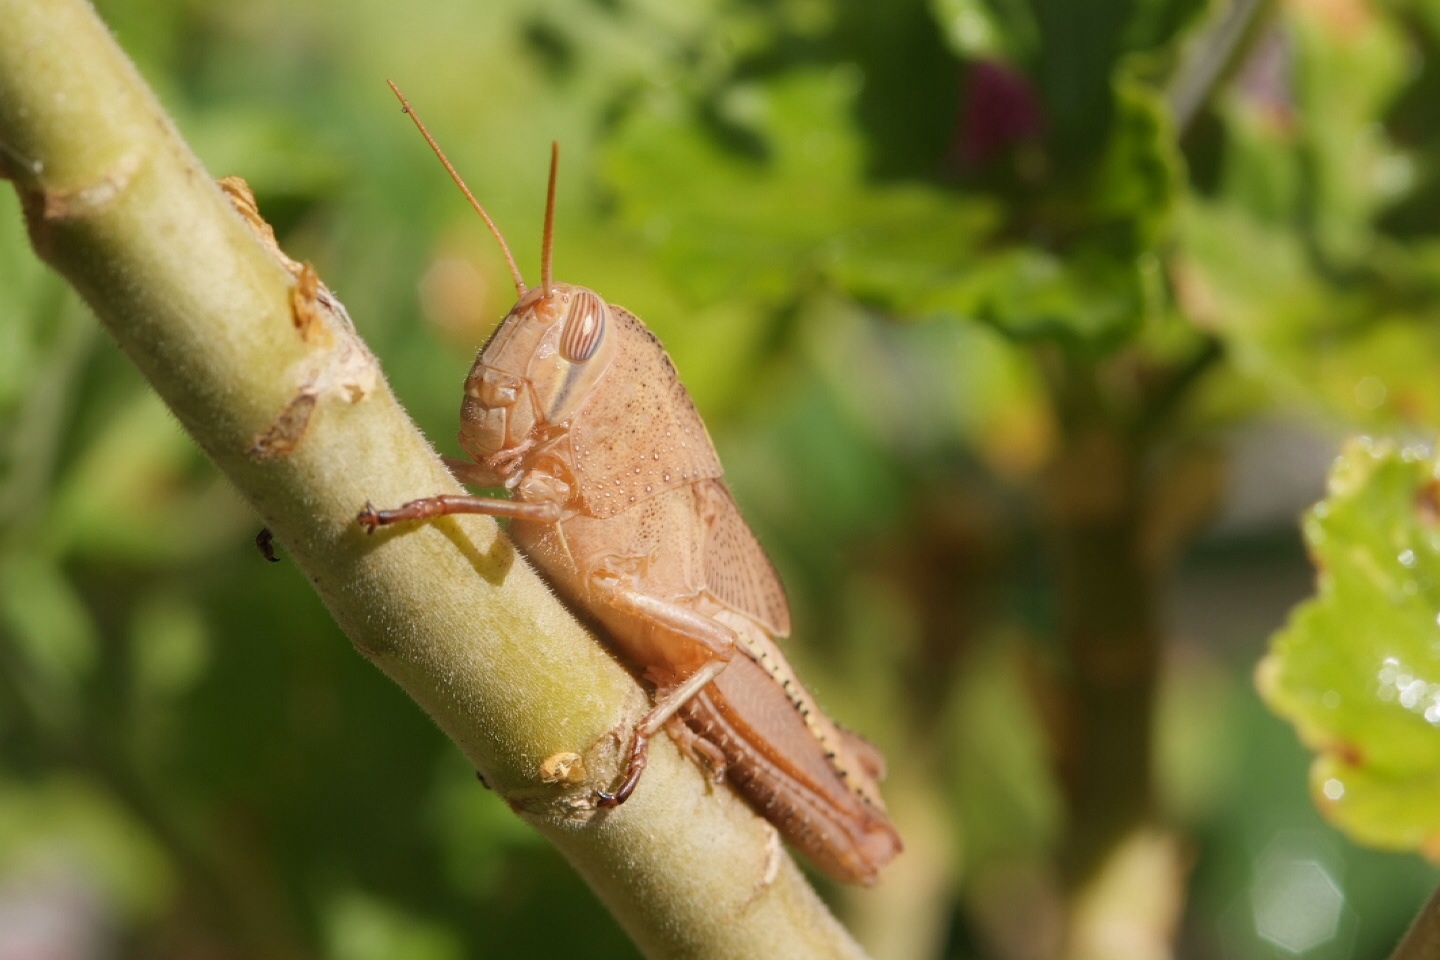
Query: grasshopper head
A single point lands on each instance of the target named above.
(537, 370)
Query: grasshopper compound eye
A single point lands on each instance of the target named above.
(585, 324)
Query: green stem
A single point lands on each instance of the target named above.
(117, 204)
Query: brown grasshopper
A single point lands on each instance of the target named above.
(616, 496)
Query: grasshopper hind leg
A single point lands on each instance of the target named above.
(705, 754)
(662, 713)
(609, 587)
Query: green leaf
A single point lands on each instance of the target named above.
(1141, 174)
(1365, 351)
(361, 927)
(1350, 66)
(974, 28)
(48, 626)
(777, 161)
(907, 247)
(170, 645)
(1088, 299)
(120, 497)
(1357, 670)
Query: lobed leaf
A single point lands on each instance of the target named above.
(1357, 669)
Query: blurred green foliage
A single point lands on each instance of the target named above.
(990, 304)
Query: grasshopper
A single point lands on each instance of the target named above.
(617, 496)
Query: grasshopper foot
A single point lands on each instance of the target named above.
(370, 518)
(634, 766)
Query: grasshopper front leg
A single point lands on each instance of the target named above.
(543, 504)
(445, 504)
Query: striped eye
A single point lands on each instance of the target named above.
(584, 327)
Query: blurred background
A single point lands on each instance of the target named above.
(1026, 330)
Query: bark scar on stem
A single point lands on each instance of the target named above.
(769, 872)
(774, 853)
(573, 806)
(565, 767)
(572, 773)
(44, 207)
(79, 201)
(340, 366)
(242, 198)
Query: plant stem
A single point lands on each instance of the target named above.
(1419, 942)
(1110, 635)
(1210, 57)
(227, 335)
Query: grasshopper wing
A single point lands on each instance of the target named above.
(736, 570)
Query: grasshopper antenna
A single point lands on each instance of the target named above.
(459, 182)
(547, 244)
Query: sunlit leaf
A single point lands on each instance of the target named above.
(1357, 670)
